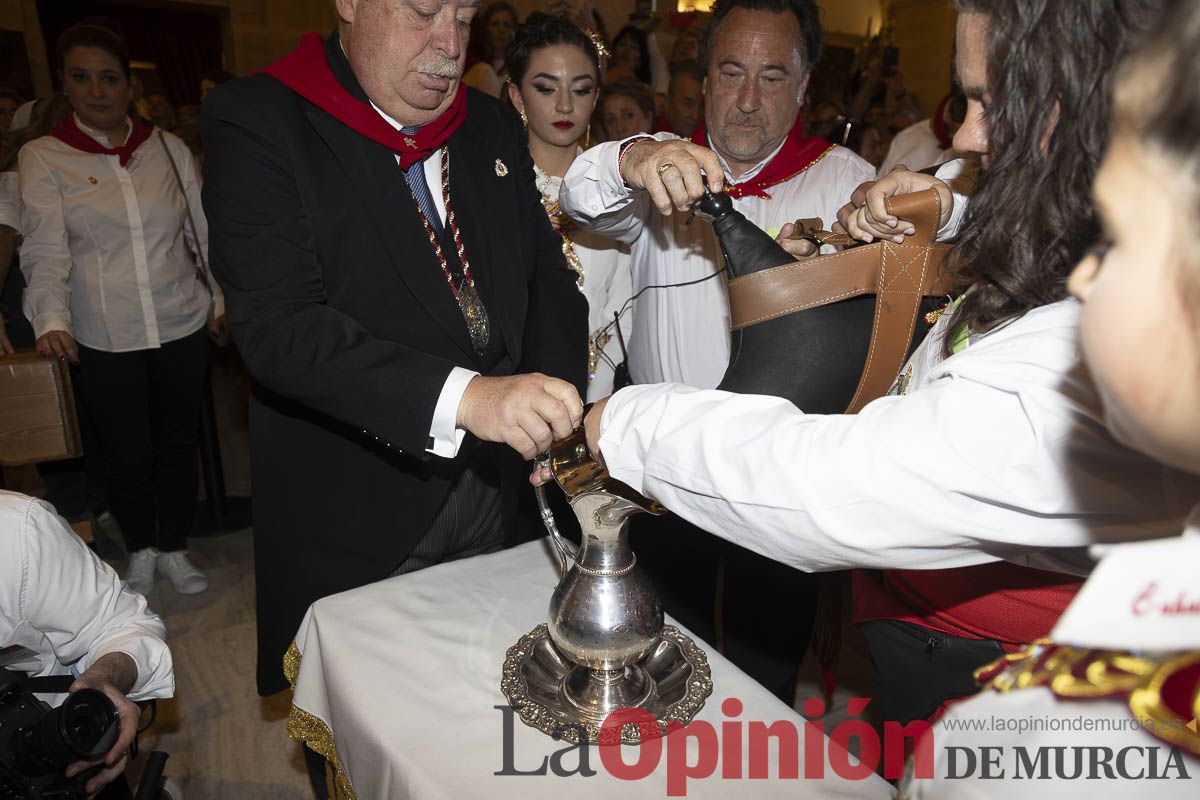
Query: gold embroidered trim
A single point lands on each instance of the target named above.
(734, 193)
(1146, 703)
(1085, 673)
(312, 731)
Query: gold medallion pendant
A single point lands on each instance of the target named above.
(475, 315)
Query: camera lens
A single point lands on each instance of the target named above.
(84, 727)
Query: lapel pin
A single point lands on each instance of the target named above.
(411, 142)
(501, 170)
(92, 180)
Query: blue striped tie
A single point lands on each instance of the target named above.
(415, 175)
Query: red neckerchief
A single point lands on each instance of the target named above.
(798, 153)
(306, 72)
(68, 132)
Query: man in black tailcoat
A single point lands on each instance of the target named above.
(396, 291)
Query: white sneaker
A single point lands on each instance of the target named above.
(182, 573)
(140, 574)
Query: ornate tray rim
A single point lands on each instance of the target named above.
(535, 715)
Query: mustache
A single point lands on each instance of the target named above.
(441, 67)
(741, 118)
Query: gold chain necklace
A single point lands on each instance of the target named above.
(469, 301)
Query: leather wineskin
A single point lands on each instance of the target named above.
(814, 358)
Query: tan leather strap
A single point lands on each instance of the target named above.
(905, 275)
(900, 275)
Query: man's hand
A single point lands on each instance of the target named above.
(670, 172)
(799, 248)
(113, 674)
(591, 431)
(216, 328)
(526, 412)
(866, 217)
(58, 344)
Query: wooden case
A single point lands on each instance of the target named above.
(37, 410)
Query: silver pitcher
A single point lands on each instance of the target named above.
(605, 615)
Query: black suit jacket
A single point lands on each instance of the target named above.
(343, 316)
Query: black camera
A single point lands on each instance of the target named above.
(38, 742)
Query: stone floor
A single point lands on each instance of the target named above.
(223, 740)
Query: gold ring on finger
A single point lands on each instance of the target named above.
(663, 168)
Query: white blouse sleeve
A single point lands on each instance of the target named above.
(197, 240)
(10, 200)
(45, 253)
(594, 194)
(1001, 457)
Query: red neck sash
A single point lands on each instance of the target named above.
(68, 132)
(799, 152)
(306, 72)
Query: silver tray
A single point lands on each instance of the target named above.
(534, 669)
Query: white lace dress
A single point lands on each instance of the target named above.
(606, 282)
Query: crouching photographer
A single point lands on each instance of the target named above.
(64, 612)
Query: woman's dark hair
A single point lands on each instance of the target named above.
(479, 29)
(807, 17)
(545, 30)
(1050, 70)
(46, 113)
(643, 45)
(632, 88)
(92, 34)
(1164, 113)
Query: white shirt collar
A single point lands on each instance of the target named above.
(1142, 596)
(100, 137)
(750, 173)
(386, 118)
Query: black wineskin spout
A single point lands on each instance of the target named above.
(747, 248)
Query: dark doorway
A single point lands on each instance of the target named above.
(14, 64)
(174, 43)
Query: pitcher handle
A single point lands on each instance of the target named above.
(562, 548)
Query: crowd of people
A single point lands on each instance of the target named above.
(427, 282)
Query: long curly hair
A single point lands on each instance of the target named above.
(1050, 67)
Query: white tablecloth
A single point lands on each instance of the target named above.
(406, 675)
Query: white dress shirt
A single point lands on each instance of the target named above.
(682, 334)
(444, 434)
(997, 452)
(62, 608)
(107, 253)
(607, 285)
(916, 147)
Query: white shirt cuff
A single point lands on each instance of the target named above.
(960, 175)
(445, 437)
(51, 321)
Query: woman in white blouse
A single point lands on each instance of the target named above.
(554, 68)
(111, 220)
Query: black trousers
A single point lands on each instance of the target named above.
(469, 523)
(915, 669)
(767, 609)
(145, 405)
